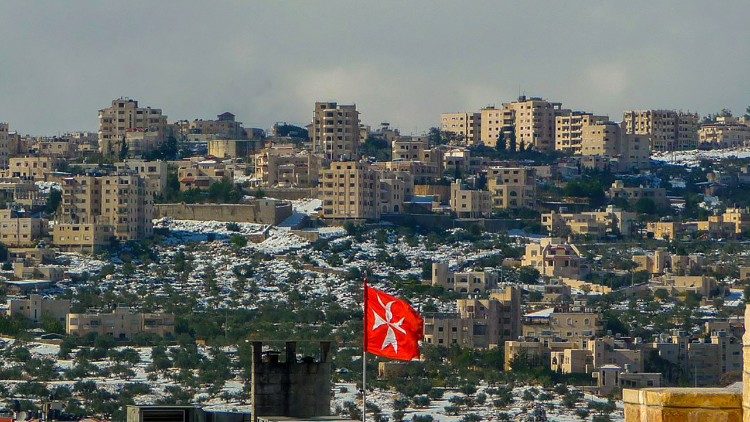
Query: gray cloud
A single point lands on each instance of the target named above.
(403, 62)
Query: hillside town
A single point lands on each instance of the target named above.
(560, 259)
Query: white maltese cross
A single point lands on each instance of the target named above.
(390, 336)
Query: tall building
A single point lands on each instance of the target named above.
(350, 189)
(669, 130)
(123, 119)
(4, 145)
(469, 203)
(467, 126)
(532, 120)
(626, 150)
(569, 130)
(335, 131)
(97, 209)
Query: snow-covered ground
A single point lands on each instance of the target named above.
(692, 158)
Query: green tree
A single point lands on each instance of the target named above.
(53, 201)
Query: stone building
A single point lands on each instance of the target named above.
(553, 325)
(123, 117)
(532, 120)
(554, 258)
(632, 195)
(122, 323)
(611, 220)
(467, 126)
(35, 307)
(479, 323)
(350, 190)
(469, 203)
(19, 230)
(202, 174)
(335, 131)
(512, 187)
(462, 281)
(286, 166)
(30, 167)
(725, 132)
(668, 130)
(569, 130)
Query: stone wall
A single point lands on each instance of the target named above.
(683, 405)
(263, 211)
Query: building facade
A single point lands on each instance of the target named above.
(335, 131)
(123, 117)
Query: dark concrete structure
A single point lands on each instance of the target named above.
(292, 388)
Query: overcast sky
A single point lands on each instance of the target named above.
(401, 61)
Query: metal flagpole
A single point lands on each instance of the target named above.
(364, 353)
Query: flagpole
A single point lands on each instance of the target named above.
(364, 352)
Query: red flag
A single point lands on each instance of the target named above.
(393, 328)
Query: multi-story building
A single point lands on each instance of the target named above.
(350, 190)
(608, 139)
(124, 117)
(467, 126)
(469, 203)
(154, 172)
(95, 210)
(664, 230)
(512, 187)
(36, 307)
(632, 195)
(396, 187)
(335, 131)
(725, 132)
(554, 258)
(408, 148)
(224, 127)
(597, 353)
(284, 165)
(611, 220)
(668, 130)
(122, 323)
(201, 174)
(569, 130)
(17, 230)
(479, 323)
(662, 262)
(4, 145)
(531, 119)
(551, 325)
(35, 168)
(232, 148)
(462, 281)
(459, 160)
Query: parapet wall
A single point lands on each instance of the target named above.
(683, 405)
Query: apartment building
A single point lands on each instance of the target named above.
(201, 174)
(552, 325)
(124, 117)
(469, 203)
(466, 126)
(459, 160)
(224, 127)
(408, 148)
(286, 166)
(532, 120)
(608, 139)
(396, 188)
(462, 281)
(350, 190)
(669, 130)
(632, 195)
(30, 167)
(479, 323)
(512, 187)
(153, 172)
(17, 230)
(661, 261)
(122, 323)
(334, 131)
(423, 172)
(611, 220)
(36, 307)
(725, 132)
(704, 359)
(664, 230)
(705, 286)
(4, 145)
(597, 353)
(554, 258)
(569, 130)
(733, 222)
(94, 210)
